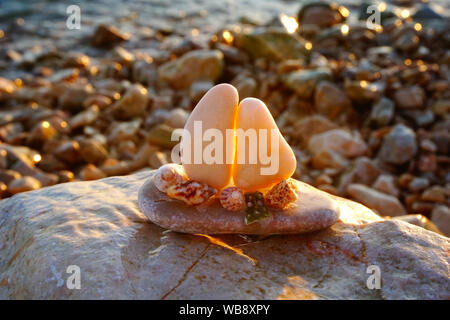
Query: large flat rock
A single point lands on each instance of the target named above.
(97, 226)
(314, 210)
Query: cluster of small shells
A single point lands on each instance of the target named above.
(172, 180)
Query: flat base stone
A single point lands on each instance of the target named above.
(314, 210)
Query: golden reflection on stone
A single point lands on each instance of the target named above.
(220, 243)
(297, 289)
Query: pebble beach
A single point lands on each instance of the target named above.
(366, 110)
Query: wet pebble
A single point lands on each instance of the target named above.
(42, 132)
(73, 97)
(304, 82)
(193, 66)
(319, 13)
(98, 100)
(65, 176)
(84, 118)
(363, 91)
(68, 151)
(107, 36)
(92, 151)
(133, 103)
(272, 44)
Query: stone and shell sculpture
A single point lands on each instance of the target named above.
(245, 187)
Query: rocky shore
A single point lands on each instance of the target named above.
(97, 228)
(366, 110)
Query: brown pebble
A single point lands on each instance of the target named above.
(91, 172)
(404, 180)
(328, 188)
(23, 184)
(92, 151)
(7, 176)
(99, 100)
(68, 152)
(3, 188)
(422, 207)
(46, 179)
(65, 176)
(434, 194)
(323, 179)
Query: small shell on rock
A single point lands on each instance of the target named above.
(232, 199)
(256, 208)
(191, 192)
(282, 194)
(168, 175)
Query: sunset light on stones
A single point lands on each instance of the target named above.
(226, 155)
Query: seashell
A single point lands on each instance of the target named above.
(232, 199)
(282, 194)
(168, 175)
(191, 192)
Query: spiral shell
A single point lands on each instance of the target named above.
(168, 175)
(282, 194)
(191, 192)
(232, 199)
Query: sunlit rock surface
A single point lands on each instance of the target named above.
(98, 227)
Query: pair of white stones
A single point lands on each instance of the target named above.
(219, 109)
